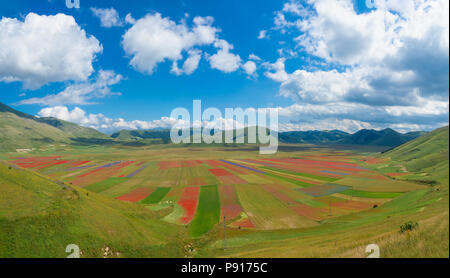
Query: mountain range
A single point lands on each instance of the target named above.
(19, 130)
(385, 138)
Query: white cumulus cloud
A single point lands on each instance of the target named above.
(249, 67)
(101, 122)
(262, 34)
(387, 67)
(43, 49)
(108, 17)
(276, 70)
(109, 125)
(345, 125)
(224, 60)
(81, 93)
(190, 64)
(154, 39)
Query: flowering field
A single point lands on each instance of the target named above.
(256, 193)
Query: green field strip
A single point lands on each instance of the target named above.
(125, 187)
(311, 202)
(104, 184)
(296, 182)
(366, 194)
(305, 180)
(373, 185)
(316, 177)
(156, 196)
(174, 195)
(208, 211)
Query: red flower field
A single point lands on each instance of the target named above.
(189, 202)
(220, 172)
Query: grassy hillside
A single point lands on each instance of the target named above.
(312, 137)
(72, 129)
(39, 218)
(386, 137)
(23, 131)
(426, 155)
(163, 135)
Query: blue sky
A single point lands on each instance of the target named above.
(323, 64)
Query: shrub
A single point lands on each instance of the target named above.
(409, 226)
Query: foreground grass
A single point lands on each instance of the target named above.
(39, 218)
(347, 236)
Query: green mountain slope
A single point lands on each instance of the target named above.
(427, 154)
(386, 137)
(39, 218)
(18, 132)
(22, 131)
(312, 137)
(162, 134)
(72, 129)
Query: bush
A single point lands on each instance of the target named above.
(409, 226)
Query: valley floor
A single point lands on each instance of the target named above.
(163, 201)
